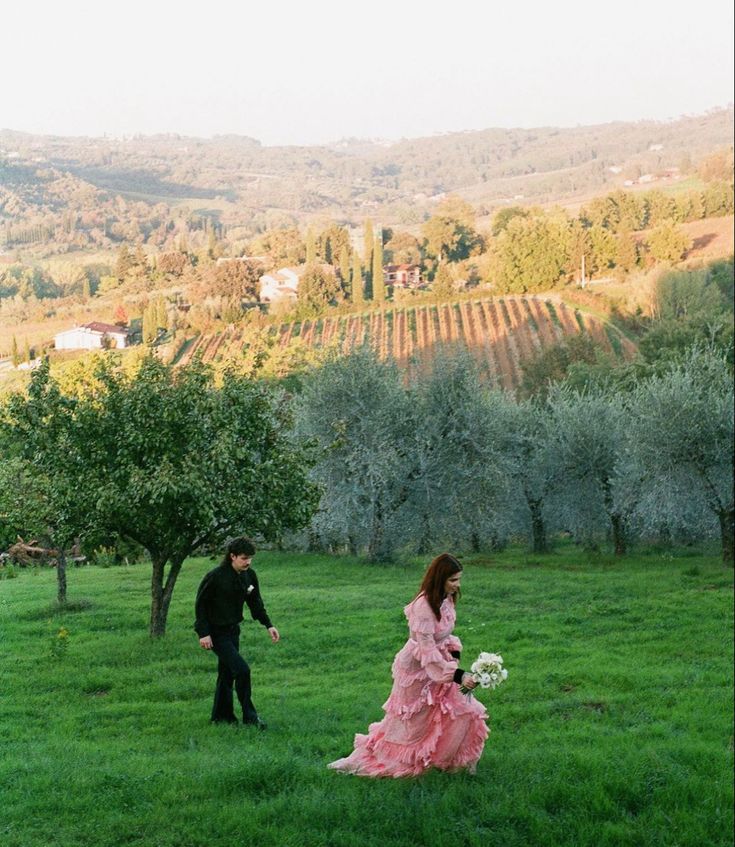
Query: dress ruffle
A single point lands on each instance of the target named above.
(428, 722)
(374, 755)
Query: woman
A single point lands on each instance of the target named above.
(428, 721)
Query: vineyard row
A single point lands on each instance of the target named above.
(499, 333)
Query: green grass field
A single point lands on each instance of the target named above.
(614, 728)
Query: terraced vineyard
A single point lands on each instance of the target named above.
(499, 332)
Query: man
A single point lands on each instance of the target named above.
(219, 604)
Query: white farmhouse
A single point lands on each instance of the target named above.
(282, 284)
(92, 336)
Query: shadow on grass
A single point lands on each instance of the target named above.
(56, 608)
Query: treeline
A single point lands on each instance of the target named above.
(606, 450)
(97, 193)
(365, 462)
(353, 457)
(526, 250)
(534, 252)
(688, 309)
(51, 212)
(400, 179)
(447, 463)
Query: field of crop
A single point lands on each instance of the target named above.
(499, 332)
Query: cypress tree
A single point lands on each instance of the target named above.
(369, 237)
(369, 240)
(443, 287)
(124, 262)
(626, 256)
(161, 314)
(378, 279)
(310, 247)
(344, 268)
(212, 243)
(358, 290)
(14, 352)
(149, 328)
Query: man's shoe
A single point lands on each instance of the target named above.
(257, 724)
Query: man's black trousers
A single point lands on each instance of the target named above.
(231, 668)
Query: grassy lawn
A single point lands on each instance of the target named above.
(614, 728)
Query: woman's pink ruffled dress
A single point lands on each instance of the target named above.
(428, 722)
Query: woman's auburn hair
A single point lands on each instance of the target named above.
(432, 585)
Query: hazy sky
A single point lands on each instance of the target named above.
(311, 72)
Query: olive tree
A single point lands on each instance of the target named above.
(356, 411)
(406, 466)
(458, 470)
(585, 439)
(525, 445)
(679, 445)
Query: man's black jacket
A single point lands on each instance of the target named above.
(221, 596)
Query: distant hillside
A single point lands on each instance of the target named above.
(711, 238)
(235, 182)
(499, 332)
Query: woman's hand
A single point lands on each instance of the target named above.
(469, 682)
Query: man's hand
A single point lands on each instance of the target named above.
(206, 642)
(273, 632)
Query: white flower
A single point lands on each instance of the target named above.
(488, 671)
(251, 588)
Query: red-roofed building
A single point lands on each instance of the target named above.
(403, 276)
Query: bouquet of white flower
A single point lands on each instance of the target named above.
(487, 671)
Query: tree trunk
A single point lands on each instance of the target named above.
(161, 594)
(424, 545)
(540, 542)
(618, 535)
(315, 542)
(617, 524)
(377, 551)
(727, 528)
(61, 577)
(664, 537)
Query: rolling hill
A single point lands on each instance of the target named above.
(106, 188)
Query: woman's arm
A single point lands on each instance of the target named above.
(423, 622)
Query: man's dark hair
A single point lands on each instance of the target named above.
(238, 547)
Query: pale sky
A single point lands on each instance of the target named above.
(313, 72)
